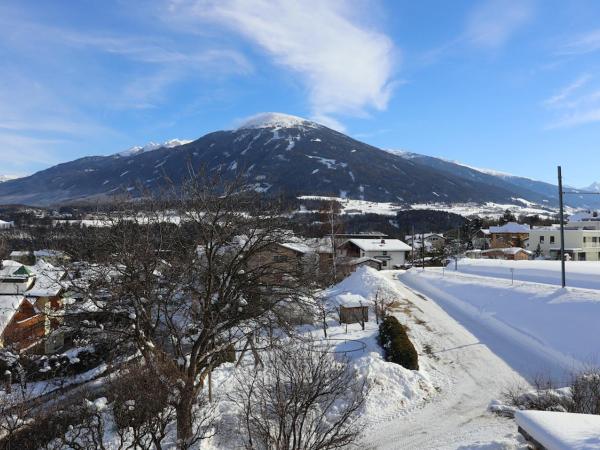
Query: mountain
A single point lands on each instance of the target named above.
(4, 178)
(278, 154)
(150, 146)
(594, 187)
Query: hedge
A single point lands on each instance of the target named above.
(396, 344)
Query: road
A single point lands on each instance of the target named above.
(469, 376)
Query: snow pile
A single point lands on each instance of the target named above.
(275, 120)
(361, 286)
(392, 387)
(561, 431)
(150, 146)
(535, 328)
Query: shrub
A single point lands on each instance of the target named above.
(396, 344)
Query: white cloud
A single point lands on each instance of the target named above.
(346, 67)
(577, 103)
(584, 43)
(494, 22)
(567, 91)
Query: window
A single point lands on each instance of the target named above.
(384, 253)
(582, 257)
(584, 239)
(542, 239)
(383, 263)
(552, 239)
(595, 240)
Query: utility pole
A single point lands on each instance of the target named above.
(457, 252)
(423, 250)
(412, 255)
(562, 228)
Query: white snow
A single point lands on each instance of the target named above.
(561, 431)
(581, 274)
(7, 177)
(150, 146)
(536, 328)
(276, 120)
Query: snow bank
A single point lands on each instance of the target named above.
(582, 274)
(561, 431)
(361, 287)
(535, 328)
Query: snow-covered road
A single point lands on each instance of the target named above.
(469, 376)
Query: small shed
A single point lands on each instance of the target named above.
(354, 314)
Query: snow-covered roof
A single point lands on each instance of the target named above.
(9, 305)
(511, 227)
(388, 245)
(275, 120)
(561, 431)
(508, 251)
(585, 216)
(364, 259)
(298, 247)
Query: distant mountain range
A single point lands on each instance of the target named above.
(279, 153)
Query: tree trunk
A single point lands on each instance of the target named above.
(184, 417)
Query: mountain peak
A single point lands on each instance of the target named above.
(136, 150)
(276, 120)
(594, 187)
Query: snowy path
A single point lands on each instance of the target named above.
(469, 376)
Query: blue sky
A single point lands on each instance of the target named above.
(508, 85)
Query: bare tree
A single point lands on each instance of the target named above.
(382, 304)
(184, 277)
(303, 398)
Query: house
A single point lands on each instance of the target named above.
(582, 239)
(391, 252)
(22, 256)
(30, 305)
(54, 257)
(21, 324)
(509, 235)
(510, 254)
(431, 241)
(6, 225)
(481, 239)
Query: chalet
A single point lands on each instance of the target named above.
(391, 252)
(30, 305)
(6, 225)
(21, 324)
(509, 235)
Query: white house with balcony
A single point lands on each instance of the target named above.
(582, 238)
(391, 252)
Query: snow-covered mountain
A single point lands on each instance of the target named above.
(4, 178)
(150, 146)
(594, 187)
(282, 154)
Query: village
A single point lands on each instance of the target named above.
(75, 322)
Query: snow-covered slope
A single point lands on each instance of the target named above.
(594, 187)
(150, 146)
(275, 120)
(4, 178)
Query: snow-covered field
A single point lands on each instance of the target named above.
(488, 209)
(582, 274)
(538, 329)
